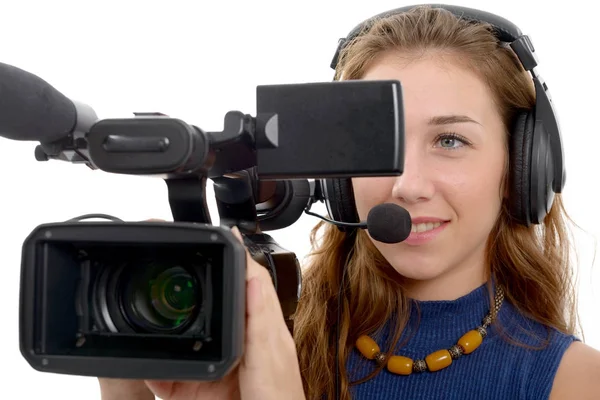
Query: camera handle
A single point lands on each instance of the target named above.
(234, 184)
(187, 198)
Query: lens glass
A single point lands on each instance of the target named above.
(162, 299)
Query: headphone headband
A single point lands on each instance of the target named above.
(504, 30)
(507, 32)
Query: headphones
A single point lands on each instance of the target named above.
(536, 168)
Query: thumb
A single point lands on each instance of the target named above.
(236, 232)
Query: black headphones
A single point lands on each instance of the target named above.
(537, 169)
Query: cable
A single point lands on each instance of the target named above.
(349, 244)
(337, 337)
(88, 216)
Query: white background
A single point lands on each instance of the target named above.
(198, 60)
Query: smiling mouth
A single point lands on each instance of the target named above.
(425, 227)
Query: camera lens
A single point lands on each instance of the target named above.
(163, 298)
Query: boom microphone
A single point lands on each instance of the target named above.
(386, 223)
(389, 223)
(33, 110)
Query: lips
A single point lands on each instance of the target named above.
(419, 238)
(424, 220)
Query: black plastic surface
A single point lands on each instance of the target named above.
(39, 324)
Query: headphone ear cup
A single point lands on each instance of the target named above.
(339, 199)
(532, 171)
(541, 192)
(520, 168)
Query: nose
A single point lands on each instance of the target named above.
(415, 184)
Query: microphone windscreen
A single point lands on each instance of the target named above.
(31, 109)
(389, 223)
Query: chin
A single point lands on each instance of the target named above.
(416, 268)
(416, 274)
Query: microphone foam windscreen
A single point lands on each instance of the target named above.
(389, 223)
(31, 109)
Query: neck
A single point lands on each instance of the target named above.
(451, 285)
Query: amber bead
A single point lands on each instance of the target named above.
(438, 360)
(367, 347)
(400, 365)
(470, 341)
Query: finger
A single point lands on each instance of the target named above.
(224, 389)
(255, 297)
(253, 268)
(261, 293)
(266, 332)
(263, 308)
(117, 389)
(161, 389)
(265, 325)
(237, 234)
(172, 390)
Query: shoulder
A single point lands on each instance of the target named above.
(539, 353)
(578, 374)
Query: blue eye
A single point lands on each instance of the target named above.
(449, 141)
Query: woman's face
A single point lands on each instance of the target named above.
(454, 165)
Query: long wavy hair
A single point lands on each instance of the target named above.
(531, 263)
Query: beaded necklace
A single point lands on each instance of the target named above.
(439, 359)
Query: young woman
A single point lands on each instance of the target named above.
(477, 302)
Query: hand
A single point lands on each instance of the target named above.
(269, 367)
(124, 389)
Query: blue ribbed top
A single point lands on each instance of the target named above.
(496, 370)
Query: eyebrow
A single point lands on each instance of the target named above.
(451, 119)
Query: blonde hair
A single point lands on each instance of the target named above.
(531, 263)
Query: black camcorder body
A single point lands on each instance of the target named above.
(133, 299)
(167, 300)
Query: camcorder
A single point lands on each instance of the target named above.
(166, 300)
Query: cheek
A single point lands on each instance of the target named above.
(473, 190)
(369, 192)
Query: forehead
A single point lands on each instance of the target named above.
(433, 84)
